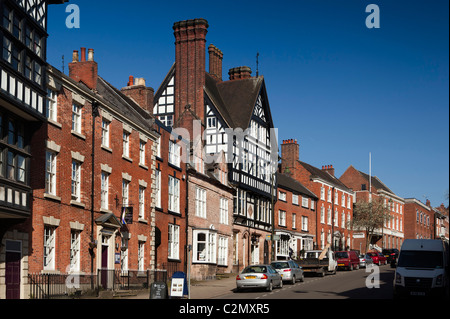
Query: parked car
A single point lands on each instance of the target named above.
(289, 270)
(259, 276)
(365, 260)
(377, 257)
(390, 254)
(347, 259)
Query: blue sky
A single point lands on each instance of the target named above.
(341, 89)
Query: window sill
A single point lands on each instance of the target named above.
(104, 210)
(143, 166)
(79, 135)
(52, 197)
(174, 213)
(175, 167)
(142, 220)
(106, 148)
(53, 122)
(127, 158)
(77, 203)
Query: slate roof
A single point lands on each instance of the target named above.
(375, 181)
(234, 100)
(124, 105)
(288, 182)
(327, 177)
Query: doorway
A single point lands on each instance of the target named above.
(13, 258)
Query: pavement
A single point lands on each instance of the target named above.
(207, 289)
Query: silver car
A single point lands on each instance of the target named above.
(289, 270)
(259, 276)
(365, 261)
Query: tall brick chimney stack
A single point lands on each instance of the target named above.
(290, 152)
(139, 92)
(215, 62)
(190, 51)
(84, 71)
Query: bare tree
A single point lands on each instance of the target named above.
(370, 216)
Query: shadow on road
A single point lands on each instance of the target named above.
(385, 290)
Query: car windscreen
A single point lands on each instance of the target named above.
(255, 269)
(420, 259)
(280, 265)
(311, 255)
(341, 254)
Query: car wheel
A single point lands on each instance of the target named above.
(281, 284)
(350, 268)
(270, 287)
(302, 278)
(293, 280)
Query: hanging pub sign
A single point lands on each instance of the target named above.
(127, 215)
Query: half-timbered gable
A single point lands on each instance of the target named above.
(164, 100)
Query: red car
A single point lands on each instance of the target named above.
(377, 257)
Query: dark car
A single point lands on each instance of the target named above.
(390, 254)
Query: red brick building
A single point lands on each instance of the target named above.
(419, 220)
(442, 222)
(92, 178)
(295, 218)
(391, 235)
(334, 207)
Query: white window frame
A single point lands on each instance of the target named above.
(125, 192)
(50, 172)
(207, 252)
(174, 153)
(141, 257)
(75, 250)
(126, 144)
(322, 193)
(174, 194)
(104, 192)
(294, 221)
(281, 195)
(76, 181)
(305, 202)
(304, 223)
(52, 105)
(295, 199)
(174, 242)
(158, 188)
(105, 132)
(142, 152)
(49, 247)
(141, 202)
(200, 202)
(281, 218)
(223, 210)
(76, 117)
(222, 253)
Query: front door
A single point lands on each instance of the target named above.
(12, 274)
(104, 264)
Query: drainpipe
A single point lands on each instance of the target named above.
(95, 113)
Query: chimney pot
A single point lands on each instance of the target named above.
(91, 55)
(75, 56)
(83, 54)
(130, 80)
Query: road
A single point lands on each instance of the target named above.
(343, 285)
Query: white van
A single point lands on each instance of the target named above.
(422, 268)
